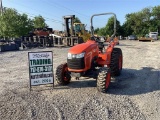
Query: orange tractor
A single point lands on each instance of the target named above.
(90, 60)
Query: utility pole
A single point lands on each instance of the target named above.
(1, 7)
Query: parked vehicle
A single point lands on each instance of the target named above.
(153, 35)
(132, 37)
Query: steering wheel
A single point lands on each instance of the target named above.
(95, 38)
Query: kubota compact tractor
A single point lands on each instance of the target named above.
(90, 60)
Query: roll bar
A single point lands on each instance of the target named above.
(92, 28)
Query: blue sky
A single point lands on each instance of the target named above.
(53, 10)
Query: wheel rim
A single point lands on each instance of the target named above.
(120, 62)
(108, 79)
(65, 78)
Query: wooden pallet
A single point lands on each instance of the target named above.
(146, 39)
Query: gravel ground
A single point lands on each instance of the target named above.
(135, 95)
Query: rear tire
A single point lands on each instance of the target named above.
(116, 62)
(62, 75)
(103, 79)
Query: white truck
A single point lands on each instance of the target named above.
(153, 35)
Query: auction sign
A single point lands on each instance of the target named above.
(41, 68)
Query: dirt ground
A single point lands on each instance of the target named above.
(135, 95)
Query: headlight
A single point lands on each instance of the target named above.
(81, 55)
(69, 56)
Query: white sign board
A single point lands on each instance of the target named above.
(40, 68)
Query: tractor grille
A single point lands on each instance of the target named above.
(76, 63)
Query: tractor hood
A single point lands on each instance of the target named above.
(82, 47)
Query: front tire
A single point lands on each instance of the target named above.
(103, 79)
(62, 75)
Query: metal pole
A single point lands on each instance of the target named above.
(1, 7)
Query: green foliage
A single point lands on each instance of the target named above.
(140, 23)
(96, 30)
(14, 24)
(156, 17)
(102, 32)
(156, 12)
(39, 22)
(109, 28)
(24, 25)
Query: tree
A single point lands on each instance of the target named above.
(156, 18)
(156, 12)
(102, 32)
(96, 30)
(109, 28)
(127, 30)
(137, 23)
(24, 25)
(140, 23)
(39, 22)
(77, 20)
(14, 24)
(128, 26)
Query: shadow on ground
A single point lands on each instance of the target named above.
(130, 82)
